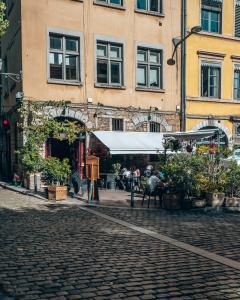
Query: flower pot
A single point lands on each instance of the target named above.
(56, 192)
(198, 203)
(172, 200)
(232, 204)
(215, 199)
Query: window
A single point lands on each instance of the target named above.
(155, 127)
(111, 2)
(64, 58)
(237, 129)
(236, 88)
(151, 6)
(109, 63)
(237, 18)
(211, 15)
(210, 80)
(149, 68)
(117, 124)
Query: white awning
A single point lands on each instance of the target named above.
(131, 142)
(191, 135)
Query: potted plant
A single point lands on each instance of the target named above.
(215, 183)
(233, 187)
(55, 174)
(182, 173)
(32, 165)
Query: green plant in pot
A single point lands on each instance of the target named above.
(215, 183)
(182, 173)
(178, 177)
(56, 174)
(233, 186)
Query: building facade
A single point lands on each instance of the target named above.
(213, 68)
(107, 58)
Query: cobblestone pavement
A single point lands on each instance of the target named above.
(59, 251)
(212, 231)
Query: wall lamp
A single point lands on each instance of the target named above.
(16, 77)
(178, 41)
(99, 105)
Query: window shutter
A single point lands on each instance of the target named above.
(237, 19)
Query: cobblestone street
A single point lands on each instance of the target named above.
(60, 251)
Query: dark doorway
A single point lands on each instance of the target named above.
(60, 149)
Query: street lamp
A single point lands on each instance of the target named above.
(16, 77)
(177, 42)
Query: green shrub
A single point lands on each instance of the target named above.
(56, 171)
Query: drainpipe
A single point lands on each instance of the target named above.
(183, 67)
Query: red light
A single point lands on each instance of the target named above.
(5, 122)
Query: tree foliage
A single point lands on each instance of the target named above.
(3, 22)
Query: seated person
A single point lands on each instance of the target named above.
(153, 182)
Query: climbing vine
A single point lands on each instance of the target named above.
(37, 126)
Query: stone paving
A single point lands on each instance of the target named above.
(58, 251)
(212, 231)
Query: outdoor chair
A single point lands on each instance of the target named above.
(158, 192)
(149, 193)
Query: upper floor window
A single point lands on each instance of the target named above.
(111, 2)
(236, 87)
(211, 15)
(237, 18)
(149, 68)
(109, 63)
(117, 124)
(211, 80)
(64, 58)
(152, 6)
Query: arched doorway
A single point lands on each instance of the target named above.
(223, 139)
(75, 152)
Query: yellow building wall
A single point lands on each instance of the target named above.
(91, 20)
(197, 107)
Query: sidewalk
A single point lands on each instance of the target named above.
(108, 198)
(20, 190)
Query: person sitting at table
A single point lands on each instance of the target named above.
(153, 181)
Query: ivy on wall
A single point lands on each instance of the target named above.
(37, 126)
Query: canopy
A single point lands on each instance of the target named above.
(192, 135)
(119, 142)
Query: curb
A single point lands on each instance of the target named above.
(20, 190)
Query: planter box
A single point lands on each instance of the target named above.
(57, 192)
(172, 200)
(232, 204)
(215, 199)
(32, 181)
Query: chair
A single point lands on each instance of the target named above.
(149, 193)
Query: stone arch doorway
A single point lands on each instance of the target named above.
(223, 138)
(75, 152)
